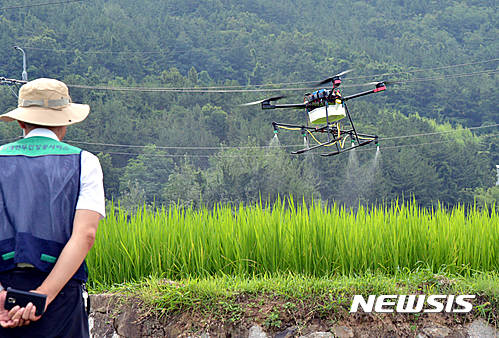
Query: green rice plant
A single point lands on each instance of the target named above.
(316, 240)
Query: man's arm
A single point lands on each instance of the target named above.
(72, 255)
(74, 252)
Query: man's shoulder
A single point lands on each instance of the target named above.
(89, 160)
(38, 146)
(85, 154)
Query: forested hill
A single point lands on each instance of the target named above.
(443, 54)
(269, 41)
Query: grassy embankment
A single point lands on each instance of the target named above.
(313, 257)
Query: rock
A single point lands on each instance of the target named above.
(108, 319)
(204, 335)
(343, 332)
(479, 328)
(289, 332)
(318, 335)
(90, 323)
(126, 324)
(100, 325)
(256, 332)
(435, 332)
(103, 303)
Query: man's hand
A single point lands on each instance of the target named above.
(17, 316)
(10, 318)
(4, 314)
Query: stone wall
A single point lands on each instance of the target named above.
(113, 316)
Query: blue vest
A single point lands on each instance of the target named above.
(39, 188)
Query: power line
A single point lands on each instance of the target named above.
(182, 90)
(437, 133)
(269, 84)
(177, 147)
(214, 89)
(11, 139)
(419, 144)
(259, 147)
(451, 76)
(270, 154)
(224, 89)
(183, 155)
(126, 52)
(41, 4)
(425, 69)
(266, 147)
(198, 90)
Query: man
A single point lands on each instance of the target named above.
(51, 201)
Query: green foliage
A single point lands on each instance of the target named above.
(148, 170)
(237, 298)
(412, 176)
(185, 186)
(132, 197)
(111, 176)
(314, 240)
(258, 175)
(229, 43)
(489, 197)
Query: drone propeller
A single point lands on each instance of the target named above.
(374, 83)
(329, 79)
(275, 98)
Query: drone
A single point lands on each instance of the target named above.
(325, 108)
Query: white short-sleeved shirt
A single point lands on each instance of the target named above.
(91, 179)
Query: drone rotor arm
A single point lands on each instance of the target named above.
(290, 105)
(263, 102)
(380, 86)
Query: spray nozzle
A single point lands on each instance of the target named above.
(276, 130)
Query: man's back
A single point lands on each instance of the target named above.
(39, 188)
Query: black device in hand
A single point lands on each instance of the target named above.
(22, 298)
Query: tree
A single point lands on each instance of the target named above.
(185, 186)
(248, 175)
(489, 197)
(111, 176)
(150, 170)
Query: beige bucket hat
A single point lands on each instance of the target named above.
(46, 102)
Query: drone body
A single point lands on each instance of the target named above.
(325, 109)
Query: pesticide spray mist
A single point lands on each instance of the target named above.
(274, 142)
(359, 179)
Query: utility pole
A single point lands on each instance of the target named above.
(25, 73)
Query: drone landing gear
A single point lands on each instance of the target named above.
(347, 149)
(325, 144)
(336, 137)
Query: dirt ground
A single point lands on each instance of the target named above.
(277, 317)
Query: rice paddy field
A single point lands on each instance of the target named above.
(314, 240)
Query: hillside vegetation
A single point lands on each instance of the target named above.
(182, 44)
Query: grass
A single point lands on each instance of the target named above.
(232, 299)
(315, 240)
